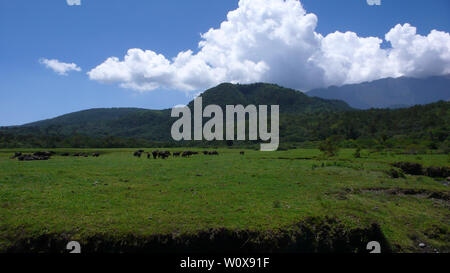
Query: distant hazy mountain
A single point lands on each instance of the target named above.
(389, 93)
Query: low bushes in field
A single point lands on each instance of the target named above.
(417, 169)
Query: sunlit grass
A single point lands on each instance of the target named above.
(120, 194)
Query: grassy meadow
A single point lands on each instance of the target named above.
(118, 194)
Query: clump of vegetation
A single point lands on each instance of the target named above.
(442, 172)
(410, 168)
(329, 147)
(357, 153)
(276, 204)
(444, 148)
(395, 173)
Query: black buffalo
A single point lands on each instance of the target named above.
(186, 154)
(16, 154)
(164, 154)
(31, 157)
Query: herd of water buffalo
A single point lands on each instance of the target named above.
(165, 154)
(46, 155)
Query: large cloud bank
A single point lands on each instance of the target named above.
(275, 41)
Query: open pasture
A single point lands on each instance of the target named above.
(118, 195)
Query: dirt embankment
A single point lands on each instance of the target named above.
(418, 169)
(311, 235)
(445, 196)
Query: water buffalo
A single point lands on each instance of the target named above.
(164, 154)
(155, 154)
(80, 154)
(137, 153)
(242, 153)
(176, 154)
(186, 154)
(29, 157)
(95, 154)
(16, 154)
(44, 153)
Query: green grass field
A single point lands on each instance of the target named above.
(117, 195)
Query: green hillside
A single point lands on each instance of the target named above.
(302, 119)
(290, 101)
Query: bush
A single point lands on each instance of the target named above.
(410, 168)
(329, 147)
(276, 204)
(396, 173)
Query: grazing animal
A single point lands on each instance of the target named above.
(155, 154)
(213, 153)
(65, 154)
(95, 154)
(46, 153)
(242, 153)
(29, 157)
(176, 154)
(164, 154)
(148, 155)
(186, 154)
(16, 154)
(205, 152)
(137, 153)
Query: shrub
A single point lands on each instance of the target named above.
(329, 147)
(396, 173)
(357, 153)
(276, 204)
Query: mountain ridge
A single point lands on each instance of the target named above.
(302, 118)
(292, 101)
(389, 92)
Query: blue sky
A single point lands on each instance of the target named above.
(90, 33)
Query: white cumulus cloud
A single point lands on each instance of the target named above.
(73, 2)
(374, 2)
(59, 67)
(276, 41)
